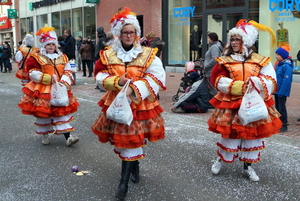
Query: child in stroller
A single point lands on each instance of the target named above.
(186, 80)
(196, 94)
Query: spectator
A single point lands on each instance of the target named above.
(215, 50)
(92, 42)
(284, 74)
(86, 57)
(69, 45)
(1, 61)
(101, 38)
(78, 45)
(152, 41)
(6, 56)
(196, 97)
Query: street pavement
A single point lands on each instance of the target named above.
(175, 169)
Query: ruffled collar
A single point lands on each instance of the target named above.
(50, 56)
(126, 56)
(241, 56)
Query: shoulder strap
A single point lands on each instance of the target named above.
(22, 65)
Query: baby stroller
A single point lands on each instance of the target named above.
(186, 81)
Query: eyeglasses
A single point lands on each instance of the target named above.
(128, 33)
(235, 40)
(53, 44)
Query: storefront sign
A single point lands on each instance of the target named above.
(5, 23)
(12, 13)
(5, 2)
(92, 1)
(184, 13)
(287, 5)
(39, 4)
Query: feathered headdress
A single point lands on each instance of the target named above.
(248, 30)
(123, 17)
(47, 35)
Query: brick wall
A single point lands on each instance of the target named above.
(150, 9)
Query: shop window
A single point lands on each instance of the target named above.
(26, 26)
(77, 22)
(42, 21)
(56, 22)
(65, 21)
(90, 22)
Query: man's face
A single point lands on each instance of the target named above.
(80, 39)
(66, 33)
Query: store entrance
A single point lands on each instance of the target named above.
(219, 22)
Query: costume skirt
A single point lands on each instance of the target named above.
(129, 137)
(224, 120)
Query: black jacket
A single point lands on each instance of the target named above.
(6, 53)
(101, 39)
(69, 47)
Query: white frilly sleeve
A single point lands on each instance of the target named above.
(153, 81)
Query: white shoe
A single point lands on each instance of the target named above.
(72, 140)
(251, 174)
(45, 140)
(216, 167)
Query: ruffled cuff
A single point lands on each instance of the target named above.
(46, 79)
(112, 83)
(237, 88)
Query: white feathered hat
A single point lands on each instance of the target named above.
(28, 40)
(47, 35)
(248, 30)
(123, 17)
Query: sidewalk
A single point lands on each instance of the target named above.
(86, 85)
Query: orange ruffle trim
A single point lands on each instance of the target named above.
(21, 74)
(133, 136)
(38, 105)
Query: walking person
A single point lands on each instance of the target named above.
(42, 67)
(6, 56)
(128, 60)
(239, 66)
(284, 74)
(86, 55)
(215, 50)
(22, 55)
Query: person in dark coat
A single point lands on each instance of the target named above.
(6, 55)
(101, 38)
(70, 43)
(152, 41)
(196, 98)
(78, 45)
(86, 57)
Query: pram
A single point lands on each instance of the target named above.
(186, 81)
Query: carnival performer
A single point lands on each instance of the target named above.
(42, 67)
(239, 66)
(25, 50)
(127, 59)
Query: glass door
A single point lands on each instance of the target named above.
(220, 23)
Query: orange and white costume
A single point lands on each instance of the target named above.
(22, 55)
(36, 99)
(230, 77)
(148, 78)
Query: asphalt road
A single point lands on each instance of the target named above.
(175, 169)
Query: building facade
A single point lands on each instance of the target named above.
(182, 19)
